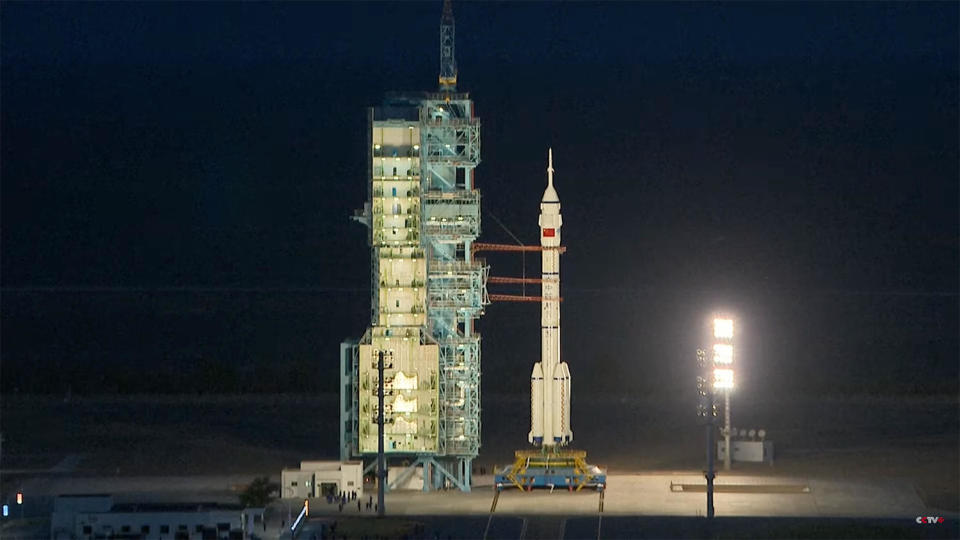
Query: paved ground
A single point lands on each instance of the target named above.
(539, 514)
(650, 494)
(638, 494)
(861, 457)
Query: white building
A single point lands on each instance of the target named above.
(322, 478)
(96, 516)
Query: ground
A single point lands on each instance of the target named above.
(861, 456)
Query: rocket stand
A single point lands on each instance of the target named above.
(551, 468)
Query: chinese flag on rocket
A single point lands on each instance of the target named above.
(549, 232)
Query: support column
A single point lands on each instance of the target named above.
(467, 478)
(381, 462)
(427, 473)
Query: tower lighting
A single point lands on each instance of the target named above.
(723, 378)
(723, 328)
(722, 354)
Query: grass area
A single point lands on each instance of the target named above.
(369, 527)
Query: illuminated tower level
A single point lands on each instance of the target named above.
(423, 215)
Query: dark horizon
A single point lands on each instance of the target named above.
(177, 181)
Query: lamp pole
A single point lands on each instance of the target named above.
(707, 410)
(726, 429)
(710, 474)
(381, 466)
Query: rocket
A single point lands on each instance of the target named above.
(550, 380)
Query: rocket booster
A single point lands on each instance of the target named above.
(550, 379)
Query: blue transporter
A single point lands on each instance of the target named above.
(553, 469)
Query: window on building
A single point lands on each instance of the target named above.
(87, 529)
(294, 483)
(125, 528)
(164, 529)
(145, 529)
(350, 483)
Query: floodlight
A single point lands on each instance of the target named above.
(723, 328)
(722, 353)
(723, 378)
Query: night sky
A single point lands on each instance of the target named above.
(177, 180)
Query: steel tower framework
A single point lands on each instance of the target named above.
(428, 290)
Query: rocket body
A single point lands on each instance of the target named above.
(550, 379)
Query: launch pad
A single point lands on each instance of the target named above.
(551, 468)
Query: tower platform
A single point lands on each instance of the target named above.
(552, 469)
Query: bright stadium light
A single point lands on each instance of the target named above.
(723, 371)
(722, 353)
(723, 378)
(723, 328)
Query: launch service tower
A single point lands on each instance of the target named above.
(427, 291)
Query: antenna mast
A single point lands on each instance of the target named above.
(448, 64)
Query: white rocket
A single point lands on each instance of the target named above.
(550, 380)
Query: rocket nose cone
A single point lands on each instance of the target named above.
(550, 194)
